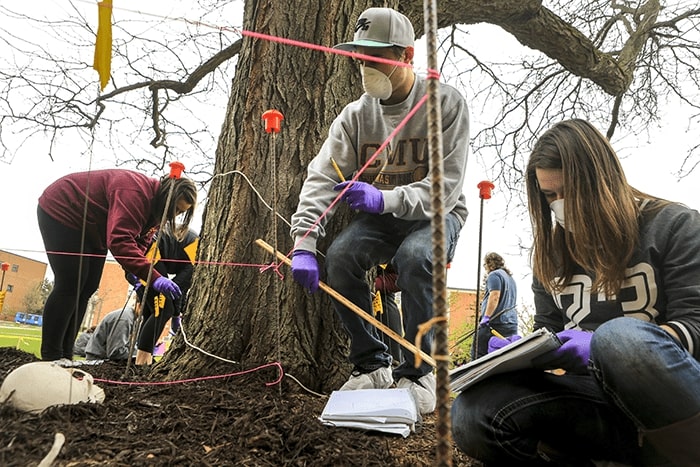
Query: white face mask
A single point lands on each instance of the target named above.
(376, 83)
(557, 208)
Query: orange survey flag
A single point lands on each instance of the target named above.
(103, 44)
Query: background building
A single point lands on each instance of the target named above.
(22, 276)
(111, 295)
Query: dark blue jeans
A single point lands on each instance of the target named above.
(370, 240)
(640, 379)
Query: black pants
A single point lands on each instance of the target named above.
(392, 318)
(152, 326)
(76, 277)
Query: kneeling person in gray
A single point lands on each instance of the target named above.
(392, 198)
(110, 341)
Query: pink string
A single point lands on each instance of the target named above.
(164, 260)
(202, 378)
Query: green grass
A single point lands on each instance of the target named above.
(22, 337)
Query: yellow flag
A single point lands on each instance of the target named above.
(191, 250)
(103, 44)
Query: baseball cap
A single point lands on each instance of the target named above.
(380, 27)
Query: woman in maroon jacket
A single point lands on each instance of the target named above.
(122, 212)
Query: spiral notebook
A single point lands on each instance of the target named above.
(517, 355)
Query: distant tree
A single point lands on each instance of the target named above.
(35, 299)
(526, 319)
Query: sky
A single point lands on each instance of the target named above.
(650, 165)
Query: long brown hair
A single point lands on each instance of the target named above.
(601, 209)
(183, 188)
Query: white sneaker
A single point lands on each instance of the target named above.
(378, 379)
(423, 392)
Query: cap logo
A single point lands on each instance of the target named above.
(362, 24)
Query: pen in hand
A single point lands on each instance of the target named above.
(497, 334)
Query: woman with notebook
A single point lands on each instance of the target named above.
(617, 277)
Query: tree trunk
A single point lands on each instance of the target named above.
(235, 310)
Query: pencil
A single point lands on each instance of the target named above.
(337, 170)
(497, 334)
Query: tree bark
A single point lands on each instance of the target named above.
(232, 309)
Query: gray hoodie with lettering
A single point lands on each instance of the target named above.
(401, 171)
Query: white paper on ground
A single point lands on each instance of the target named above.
(386, 410)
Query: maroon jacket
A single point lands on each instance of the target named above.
(119, 216)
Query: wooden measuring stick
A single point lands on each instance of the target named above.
(359, 311)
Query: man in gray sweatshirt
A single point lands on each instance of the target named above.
(391, 196)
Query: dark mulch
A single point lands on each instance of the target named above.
(220, 422)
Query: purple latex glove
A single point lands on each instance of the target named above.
(305, 269)
(485, 320)
(496, 343)
(362, 196)
(133, 280)
(167, 287)
(572, 356)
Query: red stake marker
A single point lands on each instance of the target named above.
(485, 188)
(273, 119)
(176, 169)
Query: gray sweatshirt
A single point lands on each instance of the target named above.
(401, 172)
(110, 341)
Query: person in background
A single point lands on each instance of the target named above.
(498, 306)
(174, 257)
(81, 341)
(123, 210)
(111, 339)
(392, 197)
(617, 277)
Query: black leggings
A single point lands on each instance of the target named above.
(76, 278)
(152, 327)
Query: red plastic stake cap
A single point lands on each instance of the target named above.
(485, 188)
(176, 169)
(5, 266)
(273, 120)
